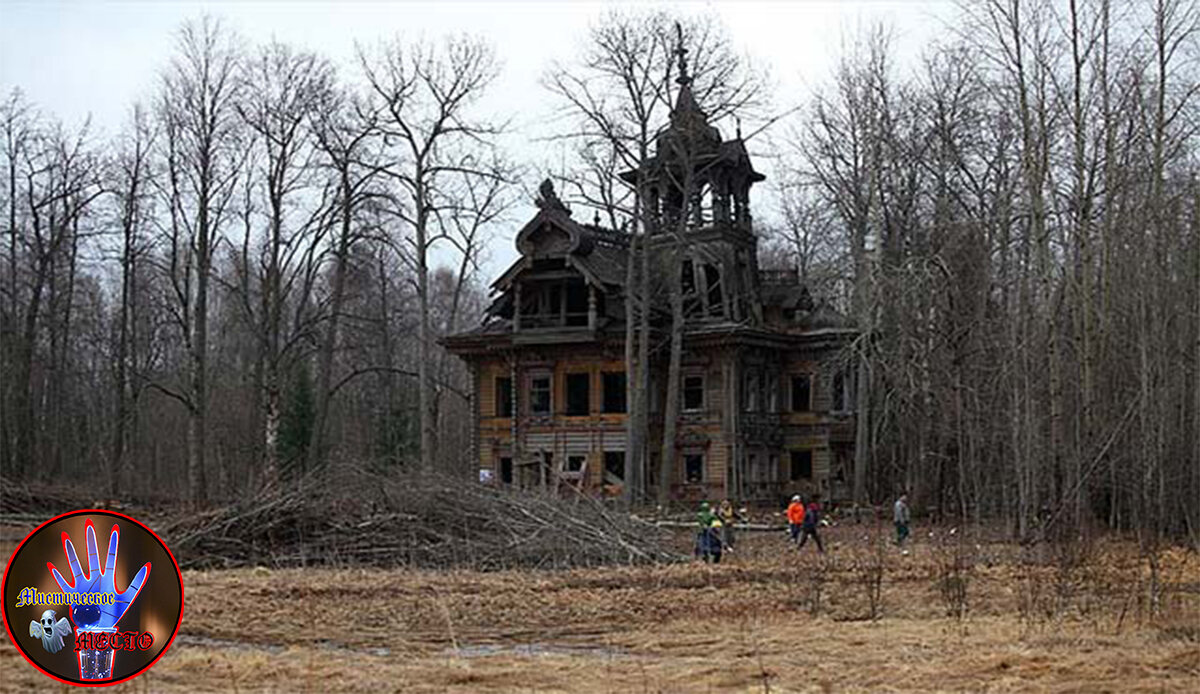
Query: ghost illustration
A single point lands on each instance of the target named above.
(50, 632)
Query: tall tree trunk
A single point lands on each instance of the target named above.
(666, 465)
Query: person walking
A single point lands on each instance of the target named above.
(795, 516)
(900, 517)
(812, 519)
(705, 518)
(728, 517)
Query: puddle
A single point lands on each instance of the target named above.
(529, 650)
(273, 648)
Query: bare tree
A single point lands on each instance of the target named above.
(281, 90)
(131, 189)
(425, 94)
(203, 159)
(614, 102)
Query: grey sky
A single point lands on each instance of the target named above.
(76, 58)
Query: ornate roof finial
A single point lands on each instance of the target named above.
(548, 200)
(681, 52)
(739, 126)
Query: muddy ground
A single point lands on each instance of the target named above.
(957, 613)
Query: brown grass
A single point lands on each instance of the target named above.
(743, 626)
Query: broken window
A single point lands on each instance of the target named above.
(693, 468)
(691, 297)
(801, 465)
(577, 303)
(839, 391)
(503, 396)
(614, 466)
(693, 392)
(577, 394)
(506, 470)
(614, 392)
(539, 394)
(688, 279)
(575, 463)
(801, 393)
(712, 278)
(752, 391)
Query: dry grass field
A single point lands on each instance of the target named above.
(954, 614)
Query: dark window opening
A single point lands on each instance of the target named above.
(577, 303)
(839, 392)
(575, 463)
(614, 392)
(693, 468)
(506, 470)
(712, 278)
(539, 395)
(614, 465)
(577, 394)
(801, 393)
(801, 465)
(693, 392)
(688, 279)
(504, 397)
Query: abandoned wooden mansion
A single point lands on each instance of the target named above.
(765, 407)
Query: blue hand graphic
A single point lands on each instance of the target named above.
(98, 617)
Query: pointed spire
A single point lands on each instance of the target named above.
(687, 112)
(681, 53)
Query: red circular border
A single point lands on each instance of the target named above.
(105, 683)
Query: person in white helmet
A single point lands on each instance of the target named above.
(795, 516)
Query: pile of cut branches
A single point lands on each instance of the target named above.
(367, 519)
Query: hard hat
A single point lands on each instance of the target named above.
(716, 523)
(796, 497)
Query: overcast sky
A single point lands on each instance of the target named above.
(73, 59)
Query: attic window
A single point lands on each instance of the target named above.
(577, 303)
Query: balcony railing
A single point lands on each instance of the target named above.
(560, 320)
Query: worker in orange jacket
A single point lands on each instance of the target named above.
(795, 516)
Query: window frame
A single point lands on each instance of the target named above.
(604, 392)
(683, 392)
(536, 376)
(503, 406)
(586, 376)
(793, 460)
(792, 392)
(687, 461)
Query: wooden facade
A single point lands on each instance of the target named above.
(765, 410)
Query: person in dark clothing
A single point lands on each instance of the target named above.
(812, 518)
